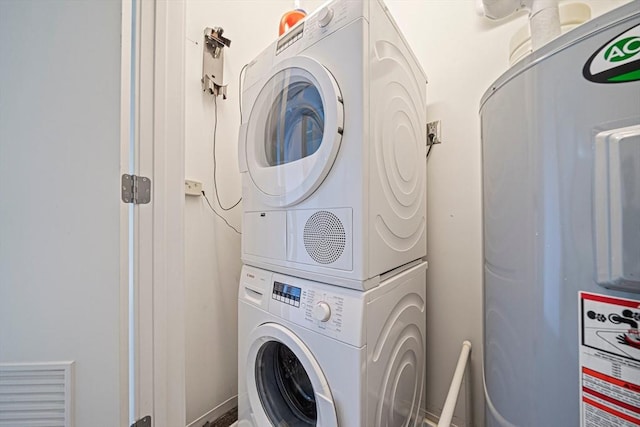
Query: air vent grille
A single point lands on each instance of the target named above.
(35, 394)
(324, 237)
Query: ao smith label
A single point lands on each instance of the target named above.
(618, 61)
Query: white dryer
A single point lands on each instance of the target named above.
(312, 354)
(332, 149)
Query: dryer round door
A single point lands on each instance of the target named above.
(285, 384)
(294, 131)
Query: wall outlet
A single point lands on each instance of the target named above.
(192, 188)
(434, 133)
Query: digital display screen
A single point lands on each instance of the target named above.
(286, 293)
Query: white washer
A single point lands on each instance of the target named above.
(332, 149)
(312, 354)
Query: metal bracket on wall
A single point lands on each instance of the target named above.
(213, 61)
(143, 422)
(136, 189)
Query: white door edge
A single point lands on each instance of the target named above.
(125, 129)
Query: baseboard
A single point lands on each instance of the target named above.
(429, 420)
(215, 413)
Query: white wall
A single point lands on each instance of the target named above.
(59, 194)
(462, 54)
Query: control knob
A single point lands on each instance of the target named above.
(325, 16)
(322, 311)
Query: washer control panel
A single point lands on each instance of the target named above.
(322, 311)
(330, 310)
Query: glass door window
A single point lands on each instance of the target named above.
(284, 387)
(295, 123)
(294, 131)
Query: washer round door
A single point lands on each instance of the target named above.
(285, 384)
(294, 131)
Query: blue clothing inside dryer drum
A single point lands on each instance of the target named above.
(295, 124)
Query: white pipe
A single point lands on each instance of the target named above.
(544, 17)
(544, 22)
(454, 389)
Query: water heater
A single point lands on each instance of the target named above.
(561, 201)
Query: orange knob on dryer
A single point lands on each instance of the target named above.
(290, 19)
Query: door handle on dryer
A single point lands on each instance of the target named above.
(242, 148)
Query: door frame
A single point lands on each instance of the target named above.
(158, 335)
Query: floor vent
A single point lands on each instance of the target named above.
(36, 394)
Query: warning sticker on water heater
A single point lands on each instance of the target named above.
(609, 361)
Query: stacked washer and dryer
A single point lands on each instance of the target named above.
(332, 293)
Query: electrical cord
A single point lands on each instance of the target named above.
(218, 215)
(215, 166)
(432, 140)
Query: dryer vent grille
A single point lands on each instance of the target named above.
(324, 237)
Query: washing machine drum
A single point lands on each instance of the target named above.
(287, 387)
(294, 131)
(284, 387)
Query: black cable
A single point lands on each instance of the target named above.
(220, 216)
(215, 166)
(432, 141)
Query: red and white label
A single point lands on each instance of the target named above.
(609, 361)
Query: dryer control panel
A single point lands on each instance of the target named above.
(320, 23)
(329, 310)
(331, 17)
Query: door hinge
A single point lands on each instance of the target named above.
(136, 189)
(143, 422)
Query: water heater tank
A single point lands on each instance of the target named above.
(561, 201)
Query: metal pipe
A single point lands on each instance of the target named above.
(454, 389)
